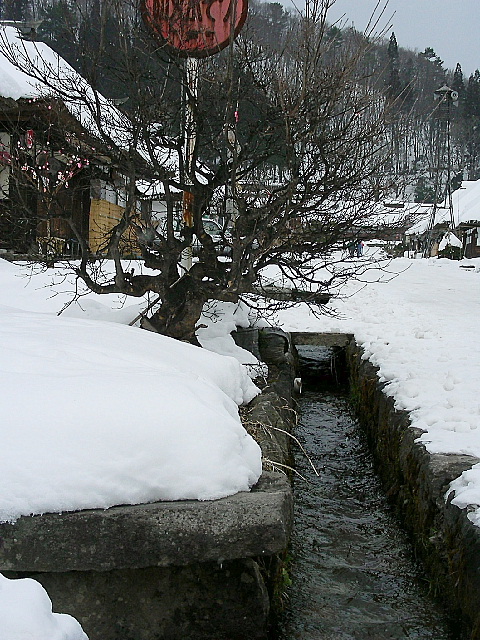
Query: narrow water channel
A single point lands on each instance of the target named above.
(352, 571)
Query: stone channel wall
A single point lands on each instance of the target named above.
(417, 481)
(184, 570)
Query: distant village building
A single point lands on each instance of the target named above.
(466, 212)
(464, 233)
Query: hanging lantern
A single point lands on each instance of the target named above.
(194, 28)
(188, 202)
(29, 138)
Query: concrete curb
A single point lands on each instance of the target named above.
(159, 534)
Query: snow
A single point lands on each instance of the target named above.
(466, 202)
(422, 215)
(465, 209)
(96, 413)
(218, 321)
(449, 240)
(39, 73)
(419, 326)
(26, 614)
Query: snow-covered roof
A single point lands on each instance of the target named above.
(466, 208)
(13, 83)
(466, 202)
(450, 240)
(39, 72)
(33, 70)
(394, 215)
(422, 213)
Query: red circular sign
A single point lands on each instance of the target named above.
(195, 28)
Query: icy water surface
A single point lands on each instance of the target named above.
(353, 576)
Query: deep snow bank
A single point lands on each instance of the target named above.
(96, 414)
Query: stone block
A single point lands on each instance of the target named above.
(159, 534)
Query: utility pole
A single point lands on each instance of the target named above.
(193, 29)
(446, 97)
(191, 93)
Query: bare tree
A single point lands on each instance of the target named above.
(287, 149)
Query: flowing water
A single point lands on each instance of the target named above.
(352, 571)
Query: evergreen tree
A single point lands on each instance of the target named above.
(276, 17)
(408, 74)
(393, 81)
(458, 84)
(16, 9)
(59, 29)
(424, 191)
(435, 65)
(472, 96)
(472, 124)
(99, 48)
(269, 21)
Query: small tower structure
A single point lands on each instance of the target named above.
(445, 98)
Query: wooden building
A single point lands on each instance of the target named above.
(62, 178)
(56, 188)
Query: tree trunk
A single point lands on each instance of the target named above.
(178, 316)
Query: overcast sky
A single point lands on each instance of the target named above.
(450, 27)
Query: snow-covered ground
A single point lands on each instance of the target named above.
(96, 413)
(420, 325)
